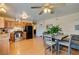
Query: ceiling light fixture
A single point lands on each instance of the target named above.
(47, 10)
(3, 8)
(24, 15)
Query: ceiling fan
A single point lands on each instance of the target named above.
(48, 7)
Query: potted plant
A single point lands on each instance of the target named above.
(54, 29)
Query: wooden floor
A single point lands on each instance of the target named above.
(28, 47)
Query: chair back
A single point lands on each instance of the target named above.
(48, 39)
(75, 39)
(66, 41)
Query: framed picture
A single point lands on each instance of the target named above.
(76, 27)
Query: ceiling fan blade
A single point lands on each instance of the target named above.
(40, 12)
(52, 12)
(60, 5)
(35, 7)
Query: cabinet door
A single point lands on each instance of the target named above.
(4, 44)
(13, 24)
(2, 23)
(9, 24)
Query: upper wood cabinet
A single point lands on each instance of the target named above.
(2, 25)
(10, 23)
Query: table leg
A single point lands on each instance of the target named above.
(57, 48)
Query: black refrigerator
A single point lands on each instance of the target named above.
(29, 32)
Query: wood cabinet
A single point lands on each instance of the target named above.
(11, 24)
(12, 37)
(6, 22)
(2, 22)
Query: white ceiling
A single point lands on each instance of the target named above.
(15, 9)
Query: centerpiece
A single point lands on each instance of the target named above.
(53, 29)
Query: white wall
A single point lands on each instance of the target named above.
(66, 22)
(40, 28)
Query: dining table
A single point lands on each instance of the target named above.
(57, 39)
